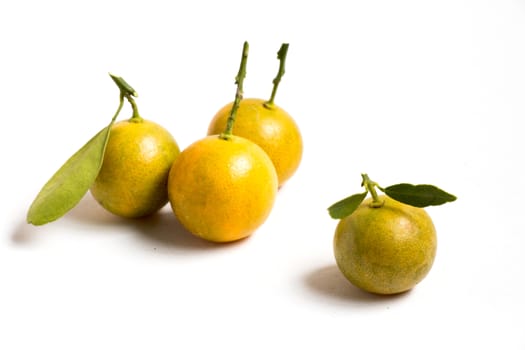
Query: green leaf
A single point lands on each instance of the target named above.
(347, 206)
(418, 195)
(124, 87)
(71, 182)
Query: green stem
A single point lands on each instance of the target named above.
(281, 56)
(370, 186)
(136, 118)
(121, 104)
(126, 91)
(239, 79)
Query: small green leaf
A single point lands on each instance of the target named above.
(123, 85)
(71, 182)
(418, 195)
(347, 206)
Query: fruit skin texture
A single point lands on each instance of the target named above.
(222, 190)
(385, 250)
(133, 179)
(272, 128)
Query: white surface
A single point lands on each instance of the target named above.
(407, 91)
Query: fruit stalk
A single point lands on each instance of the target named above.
(281, 56)
(135, 117)
(370, 186)
(126, 91)
(239, 80)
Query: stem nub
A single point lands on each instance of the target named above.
(370, 186)
(281, 56)
(239, 79)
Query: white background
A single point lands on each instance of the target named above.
(407, 91)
